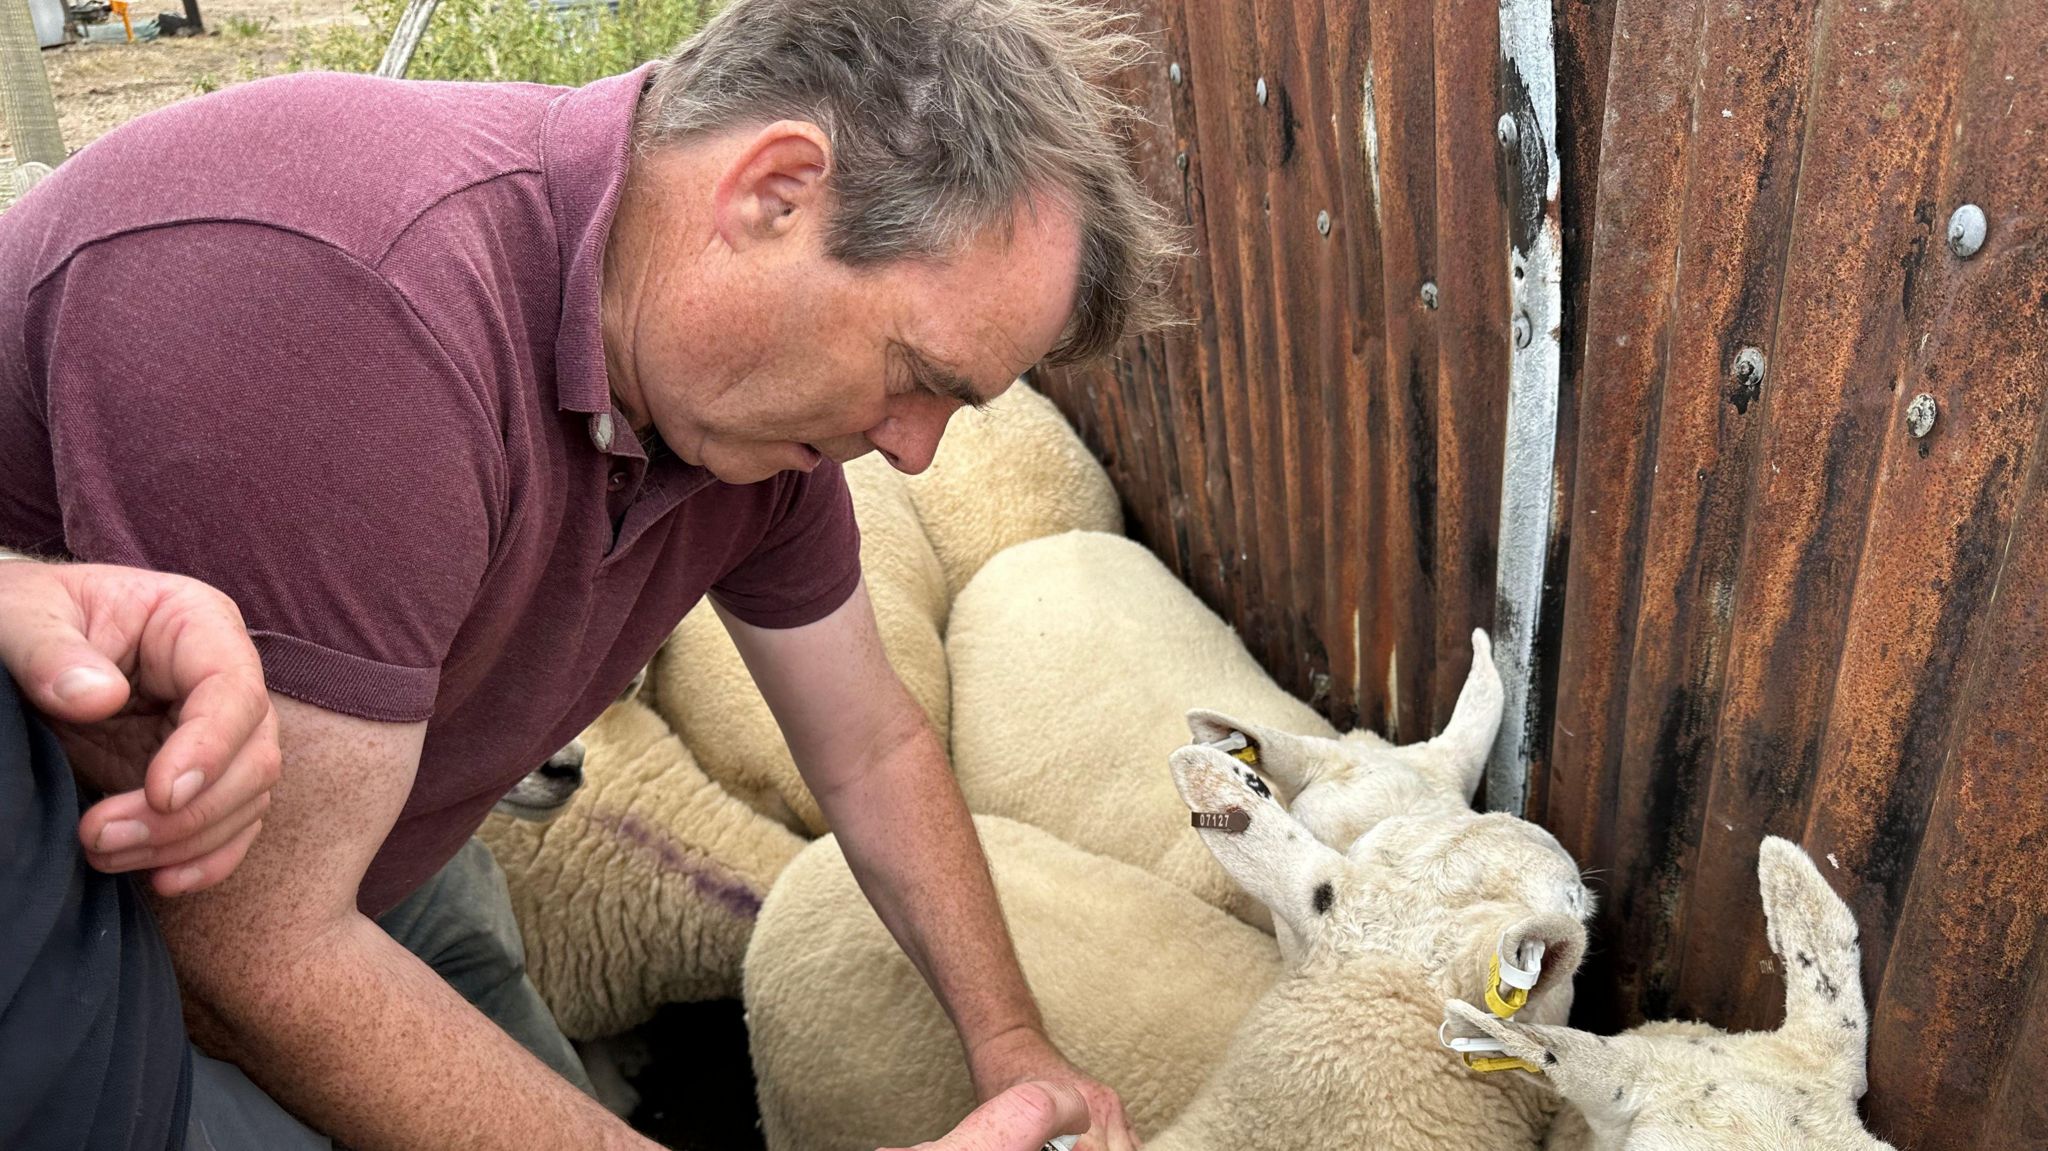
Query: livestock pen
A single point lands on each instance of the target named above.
(1791, 524)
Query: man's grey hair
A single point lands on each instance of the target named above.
(945, 116)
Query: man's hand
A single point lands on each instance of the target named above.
(1020, 1119)
(151, 684)
(1023, 1055)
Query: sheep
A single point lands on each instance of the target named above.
(1686, 1086)
(851, 1050)
(542, 793)
(702, 687)
(1011, 473)
(1339, 1050)
(645, 889)
(1074, 661)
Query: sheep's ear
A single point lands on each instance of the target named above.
(1814, 935)
(1467, 741)
(1292, 762)
(1266, 850)
(1600, 1075)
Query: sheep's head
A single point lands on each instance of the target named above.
(1442, 891)
(1681, 1087)
(1340, 788)
(542, 793)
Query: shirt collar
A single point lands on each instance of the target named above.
(586, 142)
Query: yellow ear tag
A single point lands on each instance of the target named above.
(1247, 755)
(1500, 1063)
(1501, 999)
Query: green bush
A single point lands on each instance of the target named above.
(514, 39)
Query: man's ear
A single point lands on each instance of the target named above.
(770, 186)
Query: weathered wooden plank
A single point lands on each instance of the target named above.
(1749, 82)
(1881, 87)
(1634, 261)
(26, 104)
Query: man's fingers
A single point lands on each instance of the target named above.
(203, 660)
(1020, 1119)
(199, 841)
(62, 674)
(226, 738)
(203, 873)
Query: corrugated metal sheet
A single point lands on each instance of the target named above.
(1313, 456)
(1773, 609)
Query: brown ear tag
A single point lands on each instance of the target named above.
(1233, 821)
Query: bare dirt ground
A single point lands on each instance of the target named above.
(99, 86)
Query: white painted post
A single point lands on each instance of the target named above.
(1528, 136)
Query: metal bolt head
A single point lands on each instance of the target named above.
(1429, 294)
(1181, 161)
(1173, 73)
(1966, 231)
(1510, 134)
(1524, 330)
(1261, 90)
(1749, 367)
(1323, 223)
(1920, 415)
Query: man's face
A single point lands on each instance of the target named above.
(766, 354)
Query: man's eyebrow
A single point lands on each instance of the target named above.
(944, 381)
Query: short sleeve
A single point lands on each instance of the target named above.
(807, 564)
(258, 410)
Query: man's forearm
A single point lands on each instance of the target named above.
(908, 837)
(364, 1042)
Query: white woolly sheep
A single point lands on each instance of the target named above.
(701, 686)
(1075, 660)
(1340, 1051)
(1013, 472)
(1140, 981)
(645, 889)
(1690, 1087)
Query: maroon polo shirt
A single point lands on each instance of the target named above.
(330, 343)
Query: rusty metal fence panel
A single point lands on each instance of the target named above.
(1773, 607)
(1319, 454)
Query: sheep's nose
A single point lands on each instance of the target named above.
(566, 764)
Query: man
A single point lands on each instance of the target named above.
(465, 394)
(90, 1037)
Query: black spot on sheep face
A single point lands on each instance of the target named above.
(1324, 895)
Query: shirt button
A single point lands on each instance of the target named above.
(617, 482)
(601, 431)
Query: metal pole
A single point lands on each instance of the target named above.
(405, 38)
(1527, 130)
(25, 89)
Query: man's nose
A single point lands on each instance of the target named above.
(909, 438)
